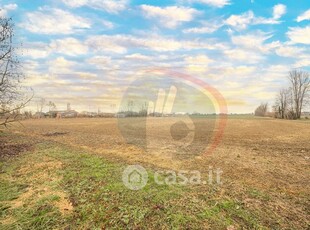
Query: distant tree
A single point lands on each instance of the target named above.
(11, 98)
(143, 110)
(300, 86)
(284, 106)
(27, 114)
(281, 105)
(261, 110)
(41, 104)
(51, 106)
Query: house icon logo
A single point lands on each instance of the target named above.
(135, 177)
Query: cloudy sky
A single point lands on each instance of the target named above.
(87, 52)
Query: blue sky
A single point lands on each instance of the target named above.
(87, 52)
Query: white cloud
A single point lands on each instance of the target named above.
(75, 3)
(30, 67)
(198, 60)
(299, 35)
(68, 46)
(87, 76)
(249, 40)
(262, 20)
(111, 6)
(121, 43)
(206, 28)
(214, 3)
(36, 53)
(243, 56)
(35, 50)
(4, 10)
(107, 43)
(277, 70)
(38, 79)
(278, 11)
(100, 61)
(170, 16)
(107, 24)
(302, 63)
(200, 30)
(242, 70)
(54, 21)
(289, 51)
(10, 7)
(138, 56)
(197, 63)
(242, 21)
(304, 16)
(255, 41)
(60, 65)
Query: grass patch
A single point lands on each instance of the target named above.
(255, 193)
(41, 180)
(95, 189)
(9, 191)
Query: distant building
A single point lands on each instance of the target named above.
(52, 114)
(120, 115)
(39, 115)
(67, 114)
(62, 114)
(106, 115)
(88, 114)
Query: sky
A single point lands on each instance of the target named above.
(88, 52)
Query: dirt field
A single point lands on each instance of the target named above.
(265, 163)
(259, 145)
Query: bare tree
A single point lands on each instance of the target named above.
(51, 106)
(300, 85)
(41, 105)
(281, 105)
(261, 110)
(11, 98)
(284, 105)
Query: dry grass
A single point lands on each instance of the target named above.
(265, 162)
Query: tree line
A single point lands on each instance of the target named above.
(292, 100)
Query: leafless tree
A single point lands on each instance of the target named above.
(11, 97)
(282, 101)
(300, 85)
(284, 106)
(41, 105)
(51, 106)
(261, 110)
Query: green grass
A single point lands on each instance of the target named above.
(100, 200)
(257, 194)
(9, 191)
